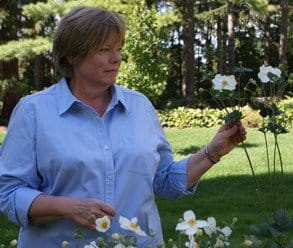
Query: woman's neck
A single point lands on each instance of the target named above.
(97, 97)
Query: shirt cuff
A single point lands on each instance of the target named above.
(22, 202)
(181, 174)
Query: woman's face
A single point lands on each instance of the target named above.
(100, 68)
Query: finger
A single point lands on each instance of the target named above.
(231, 131)
(108, 210)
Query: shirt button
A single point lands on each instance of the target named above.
(110, 178)
(106, 147)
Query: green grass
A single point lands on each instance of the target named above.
(225, 191)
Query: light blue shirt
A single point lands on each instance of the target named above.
(57, 145)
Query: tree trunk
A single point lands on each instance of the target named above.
(221, 55)
(38, 72)
(283, 34)
(11, 95)
(188, 63)
(267, 41)
(230, 48)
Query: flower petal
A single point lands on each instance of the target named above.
(212, 222)
(226, 231)
(124, 222)
(103, 224)
(182, 226)
(201, 223)
(189, 214)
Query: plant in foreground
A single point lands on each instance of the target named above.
(199, 233)
(275, 230)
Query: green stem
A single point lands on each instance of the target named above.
(268, 163)
(275, 176)
(282, 172)
(258, 190)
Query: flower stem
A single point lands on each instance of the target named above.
(258, 190)
(269, 170)
(282, 171)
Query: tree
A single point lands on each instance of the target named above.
(187, 10)
(283, 33)
(9, 69)
(230, 47)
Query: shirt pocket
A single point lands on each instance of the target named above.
(139, 156)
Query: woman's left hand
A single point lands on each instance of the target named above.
(227, 138)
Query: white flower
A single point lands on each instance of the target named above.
(131, 225)
(190, 225)
(222, 82)
(212, 228)
(115, 236)
(65, 244)
(265, 70)
(119, 246)
(13, 243)
(226, 231)
(247, 243)
(103, 224)
(91, 245)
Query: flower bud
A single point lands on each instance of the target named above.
(116, 236)
(247, 243)
(13, 243)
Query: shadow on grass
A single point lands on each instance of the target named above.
(187, 150)
(193, 149)
(226, 198)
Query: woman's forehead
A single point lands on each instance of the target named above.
(113, 40)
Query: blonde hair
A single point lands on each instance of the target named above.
(80, 31)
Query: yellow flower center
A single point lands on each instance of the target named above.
(191, 222)
(133, 225)
(224, 83)
(105, 224)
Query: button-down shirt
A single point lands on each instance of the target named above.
(58, 146)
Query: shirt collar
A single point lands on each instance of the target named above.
(118, 97)
(66, 99)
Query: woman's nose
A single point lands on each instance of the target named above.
(116, 57)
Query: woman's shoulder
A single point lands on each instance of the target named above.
(132, 95)
(39, 96)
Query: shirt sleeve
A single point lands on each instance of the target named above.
(171, 179)
(19, 180)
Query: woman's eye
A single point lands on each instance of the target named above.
(103, 50)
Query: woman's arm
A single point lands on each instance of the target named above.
(226, 139)
(82, 211)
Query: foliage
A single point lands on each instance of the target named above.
(183, 117)
(145, 55)
(25, 49)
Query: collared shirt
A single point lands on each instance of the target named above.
(58, 146)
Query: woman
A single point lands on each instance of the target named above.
(86, 147)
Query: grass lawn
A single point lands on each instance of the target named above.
(226, 191)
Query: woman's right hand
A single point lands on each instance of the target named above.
(82, 211)
(85, 211)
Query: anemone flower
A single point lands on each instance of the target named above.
(264, 71)
(131, 225)
(103, 224)
(190, 224)
(222, 82)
